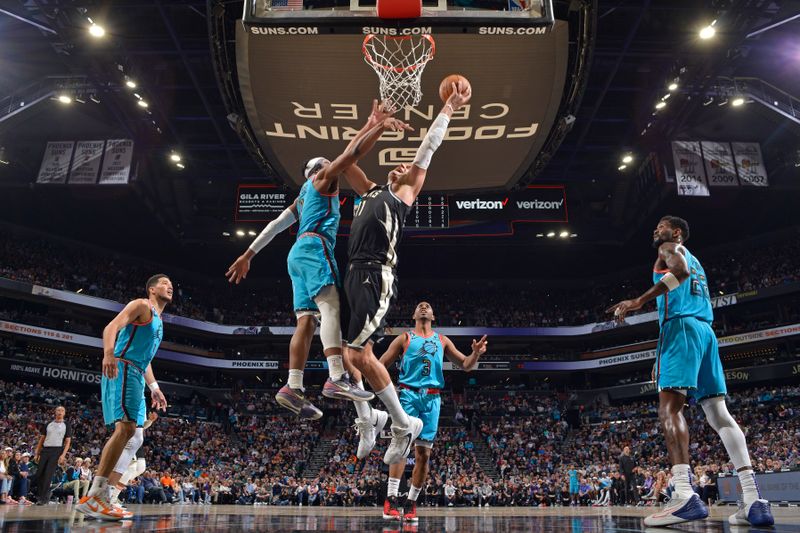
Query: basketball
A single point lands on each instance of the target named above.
(445, 88)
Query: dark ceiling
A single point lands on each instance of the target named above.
(164, 47)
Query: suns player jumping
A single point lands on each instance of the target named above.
(130, 342)
(312, 268)
(687, 362)
(421, 352)
(371, 277)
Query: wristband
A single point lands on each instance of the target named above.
(153, 386)
(670, 281)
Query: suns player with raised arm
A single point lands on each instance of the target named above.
(371, 278)
(312, 268)
(687, 362)
(421, 352)
(130, 342)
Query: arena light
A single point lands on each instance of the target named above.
(142, 103)
(226, 234)
(665, 97)
(672, 86)
(130, 83)
(64, 99)
(564, 234)
(573, 235)
(138, 96)
(251, 233)
(736, 102)
(539, 235)
(551, 234)
(628, 158)
(240, 233)
(175, 156)
(180, 166)
(96, 31)
(708, 32)
(661, 105)
(622, 167)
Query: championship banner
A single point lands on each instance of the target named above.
(55, 162)
(689, 171)
(750, 164)
(117, 162)
(86, 161)
(720, 168)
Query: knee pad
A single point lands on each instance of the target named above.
(141, 466)
(330, 332)
(135, 442)
(717, 413)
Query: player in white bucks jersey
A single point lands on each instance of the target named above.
(371, 279)
(421, 352)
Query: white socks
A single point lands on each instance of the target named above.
(389, 398)
(683, 486)
(295, 379)
(393, 487)
(363, 408)
(99, 486)
(335, 366)
(413, 493)
(115, 495)
(749, 486)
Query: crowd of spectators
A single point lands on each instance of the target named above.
(56, 264)
(501, 448)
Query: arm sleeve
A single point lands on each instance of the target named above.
(282, 223)
(433, 139)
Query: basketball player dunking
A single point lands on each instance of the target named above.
(371, 281)
(687, 362)
(130, 342)
(421, 382)
(312, 268)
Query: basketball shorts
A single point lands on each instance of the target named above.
(426, 407)
(371, 290)
(312, 267)
(574, 488)
(123, 396)
(687, 357)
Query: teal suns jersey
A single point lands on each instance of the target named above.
(690, 298)
(317, 212)
(421, 366)
(139, 342)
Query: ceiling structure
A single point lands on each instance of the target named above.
(641, 46)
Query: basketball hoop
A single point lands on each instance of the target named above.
(399, 62)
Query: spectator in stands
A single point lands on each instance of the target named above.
(6, 479)
(22, 482)
(71, 481)
(153, 489)
(449, 493)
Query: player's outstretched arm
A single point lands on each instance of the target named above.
(464, 362)
(407, 181)
(135, 311)
(239, 269)
(359, 149)
(672, 255)
(356, 177)
(394, 351)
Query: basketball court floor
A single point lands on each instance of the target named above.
(58, 518)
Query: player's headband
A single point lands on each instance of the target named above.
(314, 165)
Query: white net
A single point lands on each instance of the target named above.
(399, 62)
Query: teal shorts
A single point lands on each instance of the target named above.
(123, 396)
(312, 267)
(687, 357)
(426, 407)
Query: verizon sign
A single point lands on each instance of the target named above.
(534, 204)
